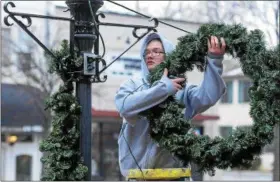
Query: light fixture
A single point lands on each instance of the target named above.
(12, 139)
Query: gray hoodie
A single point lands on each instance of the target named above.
(136, 148)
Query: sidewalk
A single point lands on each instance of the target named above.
(247, 175)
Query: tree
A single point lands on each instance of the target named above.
(252, 14)
(24, 61)
(25, 69)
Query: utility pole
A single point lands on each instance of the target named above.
(85, 37)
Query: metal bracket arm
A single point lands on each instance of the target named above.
(156, 22)
(33, 15)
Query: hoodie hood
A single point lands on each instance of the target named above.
(167, 46)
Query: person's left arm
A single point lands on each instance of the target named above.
(198, 99)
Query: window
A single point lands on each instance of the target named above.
(23, 168)
(6, 46)
(225, 131)
(25, 138)
(24, 60)
(26, 42)
(20, 137)
(126, 66)
(105, 152)
(227, 97)
(24, 53)
(132, 66)
(130, 63)
(243, 91)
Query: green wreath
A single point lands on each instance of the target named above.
(171, 131)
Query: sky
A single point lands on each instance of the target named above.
(156, 9)
(152, 6)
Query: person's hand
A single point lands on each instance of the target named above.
(214, 46)
(175, 81)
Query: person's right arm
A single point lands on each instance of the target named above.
(129, 102)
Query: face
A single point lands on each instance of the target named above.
(154, 54)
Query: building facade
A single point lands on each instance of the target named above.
(217, 121)
(23, 121)
(233, 109)
(237, 100)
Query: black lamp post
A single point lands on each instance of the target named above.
(85, 38)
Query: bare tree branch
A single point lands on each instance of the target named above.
(167, 10)
(137, 6)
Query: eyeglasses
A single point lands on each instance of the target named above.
(153, 53)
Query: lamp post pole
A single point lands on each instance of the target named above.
(85, 38)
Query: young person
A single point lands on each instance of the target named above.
(136, 148)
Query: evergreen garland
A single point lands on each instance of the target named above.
(64, 162)
(168, 127)
(171, 131)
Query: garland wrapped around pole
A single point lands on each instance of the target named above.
(64, 161)
(171, 131)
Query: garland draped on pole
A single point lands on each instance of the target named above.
(64, 162)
